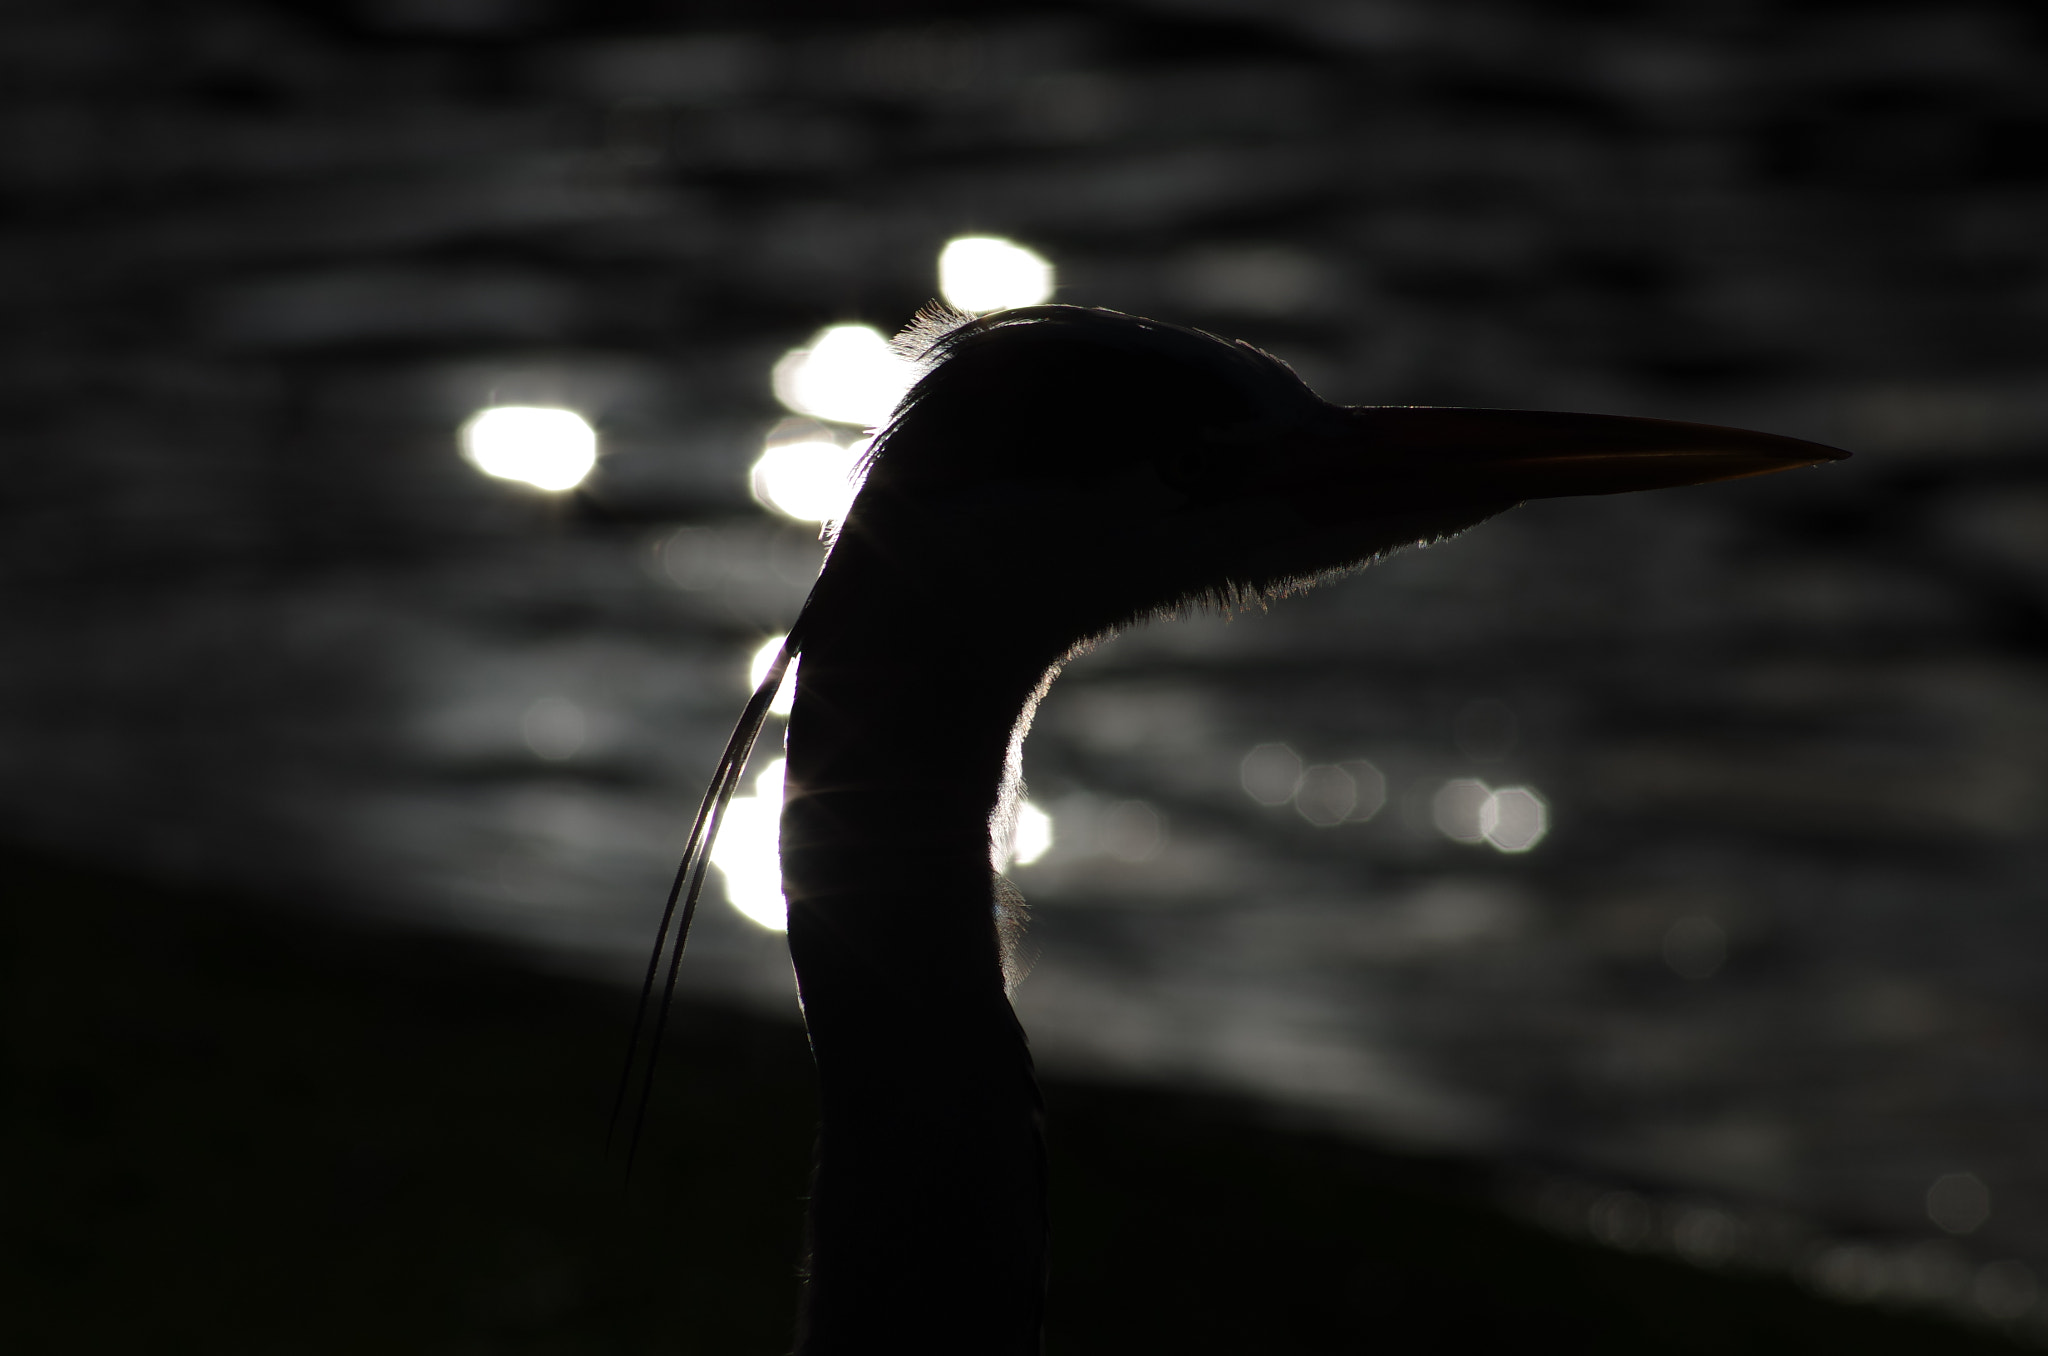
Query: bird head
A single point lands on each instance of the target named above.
(1074, 469)
(1059, 471)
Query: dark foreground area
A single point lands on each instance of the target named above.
(231, 1132)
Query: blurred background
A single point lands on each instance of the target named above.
(419, 414)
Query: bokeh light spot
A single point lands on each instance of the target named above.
(1369, 785)
(1457, 809)
(1959, 1203)
(1270, 773)
(748, 851)
(550, 449)
(1033, 837)
(987, 273)
(811, 482)
(849, 375)
(1514, 819)
(1326, 796)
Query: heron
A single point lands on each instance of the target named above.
(1056, 473)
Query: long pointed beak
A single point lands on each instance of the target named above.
(1537, 454)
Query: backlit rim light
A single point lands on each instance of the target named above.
(550, 449)
(987, 273)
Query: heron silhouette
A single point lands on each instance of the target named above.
(1056, 473)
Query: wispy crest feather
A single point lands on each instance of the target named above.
(921, 341)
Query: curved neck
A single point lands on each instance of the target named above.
(928, 1212)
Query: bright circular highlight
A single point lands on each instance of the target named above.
(848, 375)
(1514, 819)
(1033, 838)
(1458, 809)
(987, 273)
(748, 852)
(1325, 796)
(811, 482)
(547, 448)
(1270, 774)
